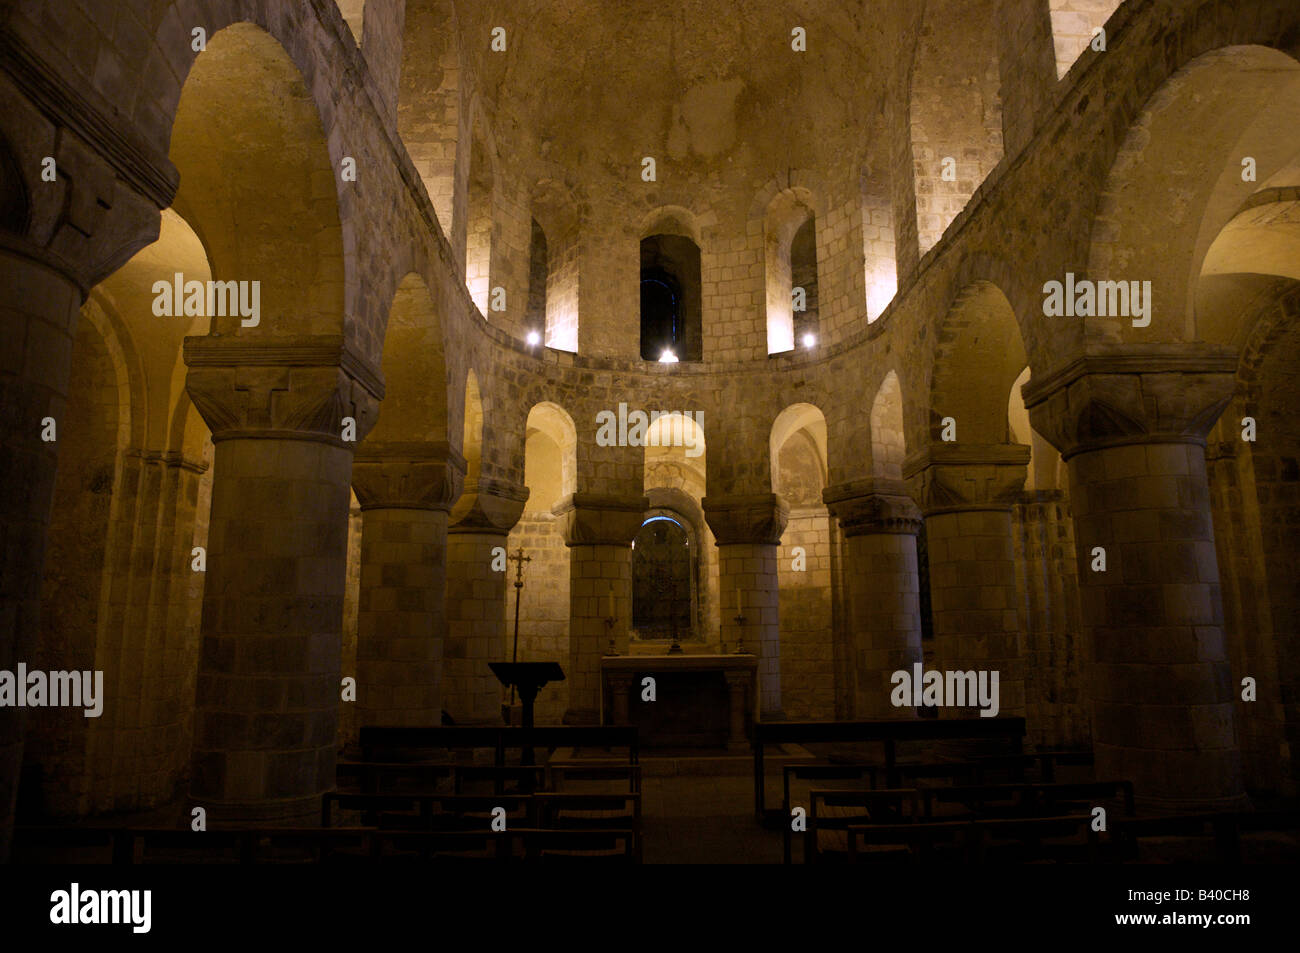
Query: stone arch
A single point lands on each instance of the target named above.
(952, 118)
(801, 418)
(975, 366)
(1177, 180)
(549, 473)
(1253, 260)
(556, 217)
(789, 211)
(415, 369)
(672, 300)
(888, 437)
(1045, 465)
(252, 152)
(550, 456)
(672, 220)
(1074, 24)
(807, 653)
(129, 296)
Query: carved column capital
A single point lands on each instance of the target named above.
(298, 388)
(488, 506)
(956, 477)
(755, 518)
(588, 519)
(1112, 396)
(873, 506)
(420, 476)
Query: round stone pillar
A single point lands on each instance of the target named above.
(598, 531)
(882, 589)
(38, 317)
(268, 695)
(1131, 425)
(477, 576)
(966, 492)
(747, 530)
(405, 492)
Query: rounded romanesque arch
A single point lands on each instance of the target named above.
(252, 153)
(1181, 175)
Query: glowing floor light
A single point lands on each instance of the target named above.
(534, 338)
(809, 340)
(667, 357)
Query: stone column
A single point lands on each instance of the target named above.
(405, 492)
(879, 522)
(38, 317)
(966, 492)
(267, 702)
(598, 531)
(1131, 425)
(748, 530)
(476, 599)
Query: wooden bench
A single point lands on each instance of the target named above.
(1024, 799)
(560, 774)
(834, 811)
(1007, 840)
(619, 813)
(888, 733)
(393, 743)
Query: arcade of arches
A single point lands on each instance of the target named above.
(446, 249)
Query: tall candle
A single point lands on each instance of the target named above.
(611, 602)
(739, 606)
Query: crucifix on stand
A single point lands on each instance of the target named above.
(519, 559)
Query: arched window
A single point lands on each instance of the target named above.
(670, 299)
(663, 575)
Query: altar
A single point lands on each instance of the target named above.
(700, 700)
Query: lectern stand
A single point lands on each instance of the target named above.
(528, 678)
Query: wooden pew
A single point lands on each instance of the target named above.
(1025, 799)
(560, 774)
(915, 844)
(1216, 836)
(836, 810)
(389, 777)
(818, 771)
(580, 846)
(619, 813)
(1062, 839)
(406, 743)
(888, 733)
